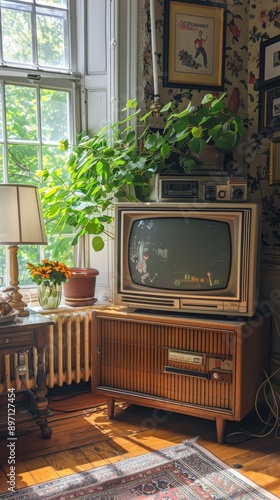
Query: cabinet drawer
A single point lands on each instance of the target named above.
(17, 339)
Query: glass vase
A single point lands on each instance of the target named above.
(49, 295)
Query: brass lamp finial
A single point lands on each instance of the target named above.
(156, 105)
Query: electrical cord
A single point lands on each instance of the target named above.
(272, 421)
(68, 397)
(77, 410)
(270, 398)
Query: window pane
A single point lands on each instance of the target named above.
(54, 111)
(1, 113)
(1, 164)
(22, 164)
(53, 157)
(27, 253)
(51, 39)
(54, 3)
(60, 248)
(17, 37)
(21, 110)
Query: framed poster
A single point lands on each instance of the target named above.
(194, 44)
(274, 161)
(269, 60)
(269, 107)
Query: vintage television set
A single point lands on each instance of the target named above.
(200, 258)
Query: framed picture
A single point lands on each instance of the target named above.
(274, 161)
(194, 44)
(269, 107)
(269, 60)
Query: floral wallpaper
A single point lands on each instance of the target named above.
(247, 24)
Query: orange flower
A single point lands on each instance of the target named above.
(49, 272)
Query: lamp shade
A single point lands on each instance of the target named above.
(21, 217)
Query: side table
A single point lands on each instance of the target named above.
(22, 334)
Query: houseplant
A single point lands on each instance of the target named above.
(49, 276)
(127, 153)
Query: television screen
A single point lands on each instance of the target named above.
(180, 253)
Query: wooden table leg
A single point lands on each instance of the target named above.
(41, 401)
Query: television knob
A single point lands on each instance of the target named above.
(238, 193)
(216, 375)
(222, 193)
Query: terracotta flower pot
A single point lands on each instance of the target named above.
(79, 290)
(211, 158)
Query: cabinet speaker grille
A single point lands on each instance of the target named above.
(135, 354)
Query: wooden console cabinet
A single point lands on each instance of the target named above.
(209, 368)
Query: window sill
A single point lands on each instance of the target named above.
(64, 308)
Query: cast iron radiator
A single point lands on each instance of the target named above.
(67, 354)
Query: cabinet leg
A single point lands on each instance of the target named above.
(46, 431)
(220, 429)
(110, 407)
(41, 401)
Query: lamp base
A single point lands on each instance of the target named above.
(16, 298)
(17, 303)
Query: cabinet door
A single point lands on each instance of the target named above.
(193, 366)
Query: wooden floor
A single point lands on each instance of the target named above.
(84, 438)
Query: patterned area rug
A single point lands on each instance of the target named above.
(186, 471)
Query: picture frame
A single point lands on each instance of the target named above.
(269, 107)
(274, 161)
(194, 44)
(269, 60)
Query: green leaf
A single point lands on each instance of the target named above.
(165, 151)
(166, 107)
(97, 243)
(131, 103)
(216, 132)
(63, 145)
(207, 98)
(186, 111)
(144, 118)
(94, 227)
(51, 192)
(54, 210)
(197, 145)
(131, 136)
(182, 124)
(188, 164)
(226, 142)
(197, 132)
(216, 107)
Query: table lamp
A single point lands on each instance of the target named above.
(21, 223)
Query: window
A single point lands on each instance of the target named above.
(35, 34)
(37, 105)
